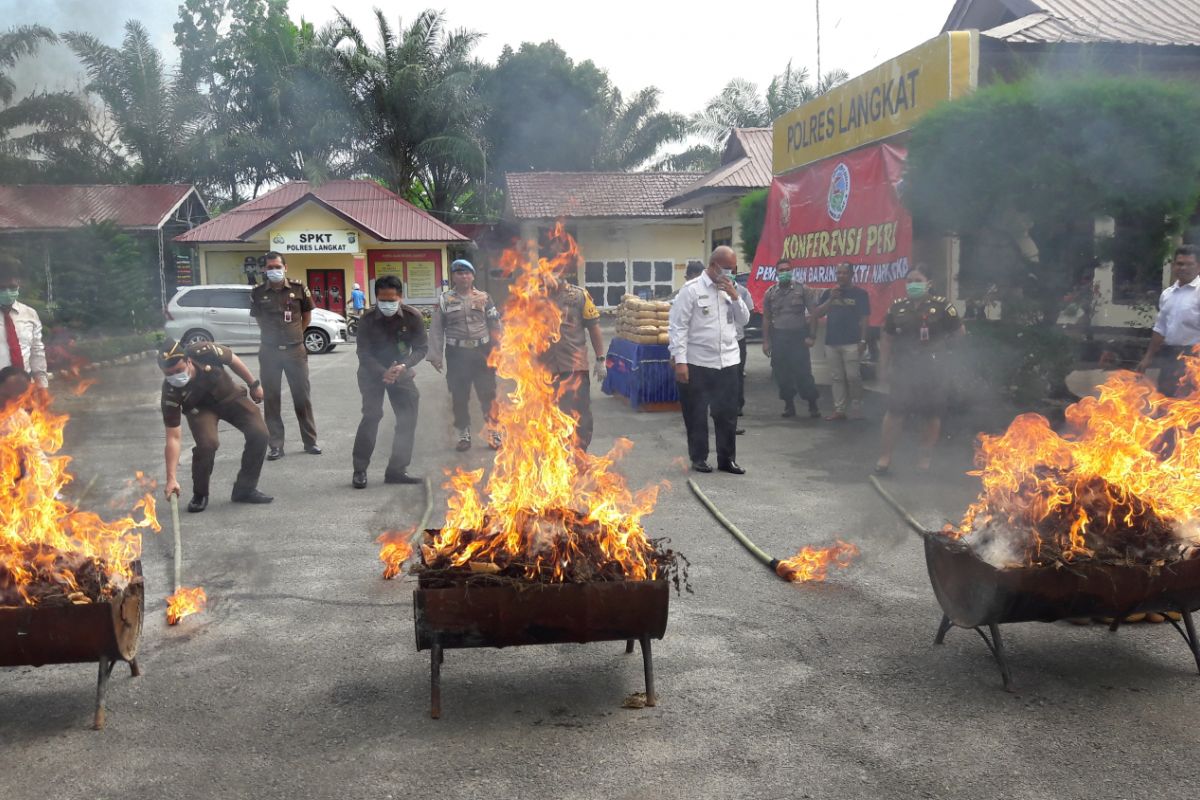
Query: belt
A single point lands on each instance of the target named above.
(467, 342)
(285, 346)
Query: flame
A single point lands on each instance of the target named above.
(397, 548)
(813, 563)
(548, 510)
(185, 602)
(50, 551)
(1121, 480)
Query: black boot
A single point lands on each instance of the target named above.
(789, 408)
(199, 503)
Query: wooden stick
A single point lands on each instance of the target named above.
(899, 509)
(729, 526)
(178, 540)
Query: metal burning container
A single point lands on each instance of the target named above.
(104, 632)
(510, 615)
(974, 594)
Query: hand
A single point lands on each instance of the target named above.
(1143, 365)
(393, 374)
(862, 349)
(435, 364)
(681, 373)
(809, 341)
(172, 488)
(767, 349)
(256, 394)
(600, 371)
(728, 287)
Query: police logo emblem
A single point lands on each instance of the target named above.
(839, 192)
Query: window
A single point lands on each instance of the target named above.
(653, 279)
(606, 282)
(230, 298)
(197, 298)
(722, 237)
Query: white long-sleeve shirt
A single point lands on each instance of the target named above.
(1178, 319)
(29, 335)
(704, 325)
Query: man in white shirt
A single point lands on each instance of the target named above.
(21, 345)
(1177, 328)
(705, 318)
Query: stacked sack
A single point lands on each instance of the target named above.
(643, 321)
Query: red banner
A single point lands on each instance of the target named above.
(845, 209)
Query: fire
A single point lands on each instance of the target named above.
(813, 563)
(397, 548)
(1120, 483)
(185, 602)
(548, 511)
(50, 551)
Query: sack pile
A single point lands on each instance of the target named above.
(643, 321)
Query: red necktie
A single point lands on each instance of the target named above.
(14, 344)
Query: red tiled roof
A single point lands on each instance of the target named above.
(745, 165)
(548, 195)
(41, 207)
(366, 205)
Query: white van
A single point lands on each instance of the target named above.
(220, 312)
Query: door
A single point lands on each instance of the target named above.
(229, 312)
(316, 286)
(328, 287)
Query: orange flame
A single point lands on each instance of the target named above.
(548, 508)
(185, 602)
(397, 548)
(51, 551)
(813, 563)
(1124, 476)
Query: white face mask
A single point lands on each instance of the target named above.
(728, 273)
(179, 379)
(275, 275)
(388, 307)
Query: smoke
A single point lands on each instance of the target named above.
(54, 67)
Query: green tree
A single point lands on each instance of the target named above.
(635, 130)
(752, 215)
(1033, 163)
(39, 132)
(100, 255)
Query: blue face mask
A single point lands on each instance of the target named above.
(275, 275)
(388, 307)
(179, 379)
(8, 296)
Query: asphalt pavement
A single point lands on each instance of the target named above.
(302, 680)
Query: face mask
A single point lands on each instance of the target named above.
(916, 289)
(8, 296)
(275, 275)
(728, 273)
(388, 307)
(785, 278)
(179, 379)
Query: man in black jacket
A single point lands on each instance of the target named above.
(391, 341)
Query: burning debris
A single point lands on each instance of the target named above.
(549, 512)
(185, 602)
(1119, 486)
(51, 553)
(813, 563)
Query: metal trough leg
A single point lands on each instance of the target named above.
(135, 669)
(106, 668)
(628, 646)
(648, 664)
(435, 681)
(997, 647)
(943, 627)
(1188, 632)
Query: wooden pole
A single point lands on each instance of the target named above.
(178, 540)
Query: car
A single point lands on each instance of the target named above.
(754, 326)
(220, 312)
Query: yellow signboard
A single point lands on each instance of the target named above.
(422, 281)
(880, 103)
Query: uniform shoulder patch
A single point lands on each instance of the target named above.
(899, 300)
(951, 311)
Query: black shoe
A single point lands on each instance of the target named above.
(789, 410)
(463, 445)
(813, 411)
(313, 449)
(731, 467)
(359, 479)
(739, 431)
(199, 503)
(403, 477)
(701, 466)
(274, 453)
(253, 496)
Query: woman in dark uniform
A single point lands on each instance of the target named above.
(913, 361)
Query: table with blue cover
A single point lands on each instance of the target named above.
(641, 372)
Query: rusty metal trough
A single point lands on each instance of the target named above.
(105, 632)
(511, 615)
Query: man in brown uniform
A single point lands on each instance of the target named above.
(786, 340)
(567, 358)
(196, 385)
(391, 341)
(283, 309)
(466, 323)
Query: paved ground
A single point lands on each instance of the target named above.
(302, 679)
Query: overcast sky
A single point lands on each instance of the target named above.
(688, 50)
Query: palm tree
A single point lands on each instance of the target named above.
(419, 106)
(636, 130)
(41, 127)
(153, 113)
